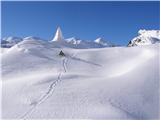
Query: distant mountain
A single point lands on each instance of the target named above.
(58, 41)
(73, 40)
(10, 41)
(58, 36)
(100, 41)
(146, 37)
(77, 43)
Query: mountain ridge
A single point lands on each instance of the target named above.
(145, 37)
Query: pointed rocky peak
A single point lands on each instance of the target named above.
(145, 37)
(73, 40)
(58, 36)
(101, 41)
(98, 40)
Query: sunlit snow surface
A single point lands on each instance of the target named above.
(102, 83)
(146, 37)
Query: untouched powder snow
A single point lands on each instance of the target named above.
(106, 83)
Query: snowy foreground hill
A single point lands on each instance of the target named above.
(98, 83)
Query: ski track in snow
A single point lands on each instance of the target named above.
(51, 89)
(64, 64)
(49, 92)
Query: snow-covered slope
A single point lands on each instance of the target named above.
(146, 37)
(106, 83)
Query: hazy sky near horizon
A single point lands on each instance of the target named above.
(117, 22)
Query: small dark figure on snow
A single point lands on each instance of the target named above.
(61, 53)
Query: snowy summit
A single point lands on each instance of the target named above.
(146, 37)
(100, 41)
(58, 36)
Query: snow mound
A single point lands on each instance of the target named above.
(146, 37)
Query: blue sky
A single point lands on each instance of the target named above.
(117, 22)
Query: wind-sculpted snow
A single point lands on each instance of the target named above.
(106, 83)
